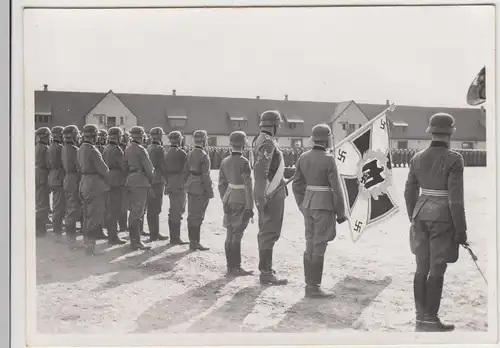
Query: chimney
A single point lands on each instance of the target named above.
(258, 97)
(286, 96)
(45, 88)
(173, 92)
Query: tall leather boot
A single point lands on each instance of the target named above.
(195, 244)
(237, 271)
(41, 227)
(90, 242)
(314, 289)
(431, 320)
(229, 259)
(267, 274)
(307, 269)
(123, 222)
(419, 294)
(113, 238)
(175, 233)
(99, 233)
(154, 228)
(135, 236)
(141, 228)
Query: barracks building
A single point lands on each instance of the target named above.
(220, 116)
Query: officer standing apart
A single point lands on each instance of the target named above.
(124, 142)
(42, 180)
(437, 216)
(138, 183)
(93, 187)
(268, 173)
(158, 157)
(56, 178)
(198, 187)
(318, 194)
(115, 160)
(71, 182)
(236, 192)
(174, 188)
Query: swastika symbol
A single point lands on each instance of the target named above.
(342, 154)
(371, 174)
(358, 226)
(382, 124)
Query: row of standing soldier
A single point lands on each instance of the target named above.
(437, 215)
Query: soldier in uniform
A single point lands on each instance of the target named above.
(138, 183)
(56, 178)
(115, 160)
(102, 140)
(93, 187)
(236, 192)
(158, 157)
(71, 181)
(317, 191)
(268, 173)
(437, 215)
(124, 142)
(198, 187)
(176, 160)
(42, 180)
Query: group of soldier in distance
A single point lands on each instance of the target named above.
(96, 177)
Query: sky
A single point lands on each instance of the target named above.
(425, 56)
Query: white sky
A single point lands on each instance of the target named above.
(412, 55)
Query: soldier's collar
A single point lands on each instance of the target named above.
(87, 142)
(440, 144)
(57, 141)
(266, 132)
(136, 141)
(319, 147)
(156, 142)
(198, 147)
(113, 142)
(236, 153)
(174, 145)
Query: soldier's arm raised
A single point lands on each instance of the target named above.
(456, 198)
(261, 170)
(412, 188)
(223, 183)
(205, 174)
(247, 177)
(338, 196)
(298, 185)
(147, 165)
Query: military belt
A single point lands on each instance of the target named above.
(435, 193)
(318, 188)
(195, 173)
(236, 187)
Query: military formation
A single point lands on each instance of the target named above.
(111, 179)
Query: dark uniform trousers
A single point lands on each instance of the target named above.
(177, 207)
(58, 208)
(154, 205)
(437, 217)
(73, 205)
(271, 222)
(42, 191)
(94, 204)
(114, 209)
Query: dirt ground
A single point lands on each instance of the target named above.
(169, 289)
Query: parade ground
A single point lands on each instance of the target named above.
(170, 289)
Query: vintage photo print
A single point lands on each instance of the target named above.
(264, 175)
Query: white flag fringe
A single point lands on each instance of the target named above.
(365, 170)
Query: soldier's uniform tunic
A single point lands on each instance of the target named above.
(176, 160)
(157, 155)
(71, 187)
(318, 194)
(198, 187)
(138, 183)
(124, 217)
(236, 191)
(438, 213)
(115, 160)
(42, 186)
(93, 190)
(268, 158)
(56, 178)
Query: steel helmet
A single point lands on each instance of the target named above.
(270, 118)
(137, 132)
(321, 132)
(90, 130)
(43, 132)
(441, 123)
(237, 138)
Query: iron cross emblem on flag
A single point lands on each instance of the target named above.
(365, 169)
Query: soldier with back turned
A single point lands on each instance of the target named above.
(56, 178)
(42, 192)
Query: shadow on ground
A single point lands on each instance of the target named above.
(353, 296)
(181, 308)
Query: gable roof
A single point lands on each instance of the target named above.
(211, 113)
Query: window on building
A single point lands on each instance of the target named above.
(212, 141)
(122, 120)
(360, 125)
(352, 128)
(42, 118)
(239, 124)
(467, 145)
(292, 125)
(111, 121)
(344, 126)
(177, 122)
(402, 144)
(296, 142)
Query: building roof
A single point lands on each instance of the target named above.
(213, 113)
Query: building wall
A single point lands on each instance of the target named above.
(352, 115)
(420, 144)
(111, 106)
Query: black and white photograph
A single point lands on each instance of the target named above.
(245, 173)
